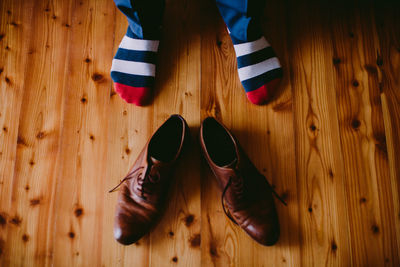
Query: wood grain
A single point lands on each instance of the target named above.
(319, 162)
(328, 141)
(363, 140)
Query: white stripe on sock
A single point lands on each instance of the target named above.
(250, 47)
(251, 71)
(138, 44)
(132, 67)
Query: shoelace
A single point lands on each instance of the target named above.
(142, 181)
(239, 188)
(129, 176)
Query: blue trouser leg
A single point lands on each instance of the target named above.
(242, 17)
(144, 17)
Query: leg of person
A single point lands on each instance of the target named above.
(134, 65)
(259, 69)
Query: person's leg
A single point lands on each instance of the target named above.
(259, 69)
(134, 65)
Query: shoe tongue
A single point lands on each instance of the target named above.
(155, 161)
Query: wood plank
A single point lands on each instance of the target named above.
(323, 213)
(80, 190)
(387, 19)
(363, 136)
(12, 75)
(39, 132)
(33, 129)
(262, 131)
(124, 142)
(176, 240)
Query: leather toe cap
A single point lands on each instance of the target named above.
(265, 231)
(132, 221)
(128, 230)
(126, 236)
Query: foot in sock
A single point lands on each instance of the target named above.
(259, 69)
(134, 67)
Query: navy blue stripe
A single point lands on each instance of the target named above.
(237, 41)
(258, 81)
(132, 80)
(137, 56)
(256, 57)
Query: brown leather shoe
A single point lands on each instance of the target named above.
(143, 194)
(245, 191)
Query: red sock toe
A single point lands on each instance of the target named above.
(264, 93)
(139, 96)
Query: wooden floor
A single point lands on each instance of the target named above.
(329, 142)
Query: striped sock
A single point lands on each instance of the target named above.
(134, 67)
(259, 69)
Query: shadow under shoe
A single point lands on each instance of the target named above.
(144, 191)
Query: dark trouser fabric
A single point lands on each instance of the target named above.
(144, 16)
(241, 17)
